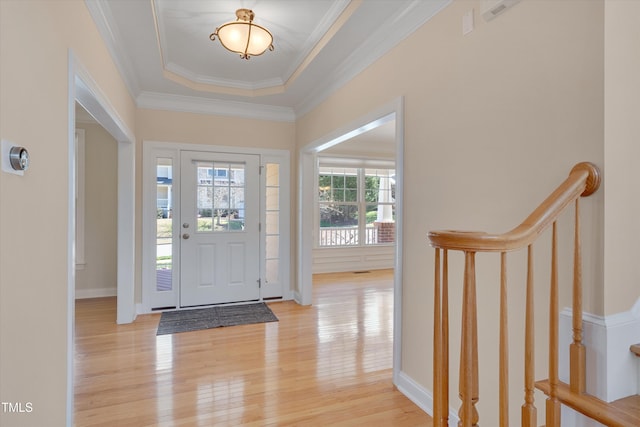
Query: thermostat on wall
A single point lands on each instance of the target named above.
(15, 159)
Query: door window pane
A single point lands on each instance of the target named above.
(221, 191)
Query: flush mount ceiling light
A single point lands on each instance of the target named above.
(243, 36)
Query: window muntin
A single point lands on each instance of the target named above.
(272, 231)
(220, 196)
(164, 224)
(356, 206)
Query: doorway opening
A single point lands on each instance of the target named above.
(308, 178)
(96, 209)
(84, 91)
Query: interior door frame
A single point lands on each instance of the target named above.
(307, 179)
(84, 90)
(149, 148)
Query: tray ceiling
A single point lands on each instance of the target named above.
(164, 53)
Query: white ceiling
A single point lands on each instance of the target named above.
(167, 60)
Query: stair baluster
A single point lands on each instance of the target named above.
(437, 347)
(469, 388)
(529, 411)
(504, 344)
(552, 403)
(583, 180)
(441, 342)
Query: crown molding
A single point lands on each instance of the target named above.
(235, 84)
(101, 14)
(328, 21)
(192, 104)
(325, 24)
(397, 28)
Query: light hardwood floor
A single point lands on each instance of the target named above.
(328, 364)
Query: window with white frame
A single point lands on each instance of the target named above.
(356, 206)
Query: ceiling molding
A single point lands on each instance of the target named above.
(308, 53)
(316, 38)
(195, 81)
(331, 22)
(101, 14)
(233, 84)
(397, 28)
(221, 90)
(192, 104)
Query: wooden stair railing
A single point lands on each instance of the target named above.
(583, 180)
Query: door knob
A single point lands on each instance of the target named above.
(185, 225)
(185, 236)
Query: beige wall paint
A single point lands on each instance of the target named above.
(35, 37)
(190, 128)
(622, 151)
(101, 225)
(494, 121)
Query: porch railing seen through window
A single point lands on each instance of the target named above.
(356, 206)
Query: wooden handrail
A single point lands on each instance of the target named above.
(583, 180)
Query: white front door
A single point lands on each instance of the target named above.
(219, 228)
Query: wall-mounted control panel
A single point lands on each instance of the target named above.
(14, 158)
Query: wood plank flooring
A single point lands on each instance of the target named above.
(328, 364)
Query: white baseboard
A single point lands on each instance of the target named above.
(607, 340)
(343, 259)
(96, 293)
(612, 370)
(421, 396)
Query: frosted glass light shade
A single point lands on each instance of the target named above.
(243, 36)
